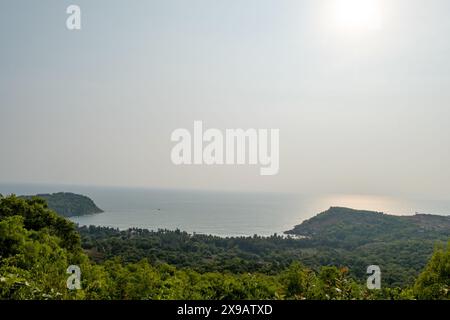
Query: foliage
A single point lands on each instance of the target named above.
(68, 204)
(434, 282)
(37, 246)
(401, 260)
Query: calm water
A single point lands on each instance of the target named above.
(219, 213)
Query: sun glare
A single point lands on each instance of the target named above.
(358, 15)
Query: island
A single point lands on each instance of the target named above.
(68, 204)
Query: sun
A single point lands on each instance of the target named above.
(358, 15)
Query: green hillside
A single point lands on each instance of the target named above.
(69, 204)
(349, 228)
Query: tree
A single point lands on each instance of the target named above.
(434, 282)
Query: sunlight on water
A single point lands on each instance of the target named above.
(385, 204)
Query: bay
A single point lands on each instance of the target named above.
(219, 213)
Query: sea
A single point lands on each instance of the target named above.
(221, 213)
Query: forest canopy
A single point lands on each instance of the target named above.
(37, 245)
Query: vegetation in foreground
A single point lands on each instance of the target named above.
(340, 237)
(37, 246)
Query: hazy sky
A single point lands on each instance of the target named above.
(361, 97)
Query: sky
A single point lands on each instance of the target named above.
(361, 95)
